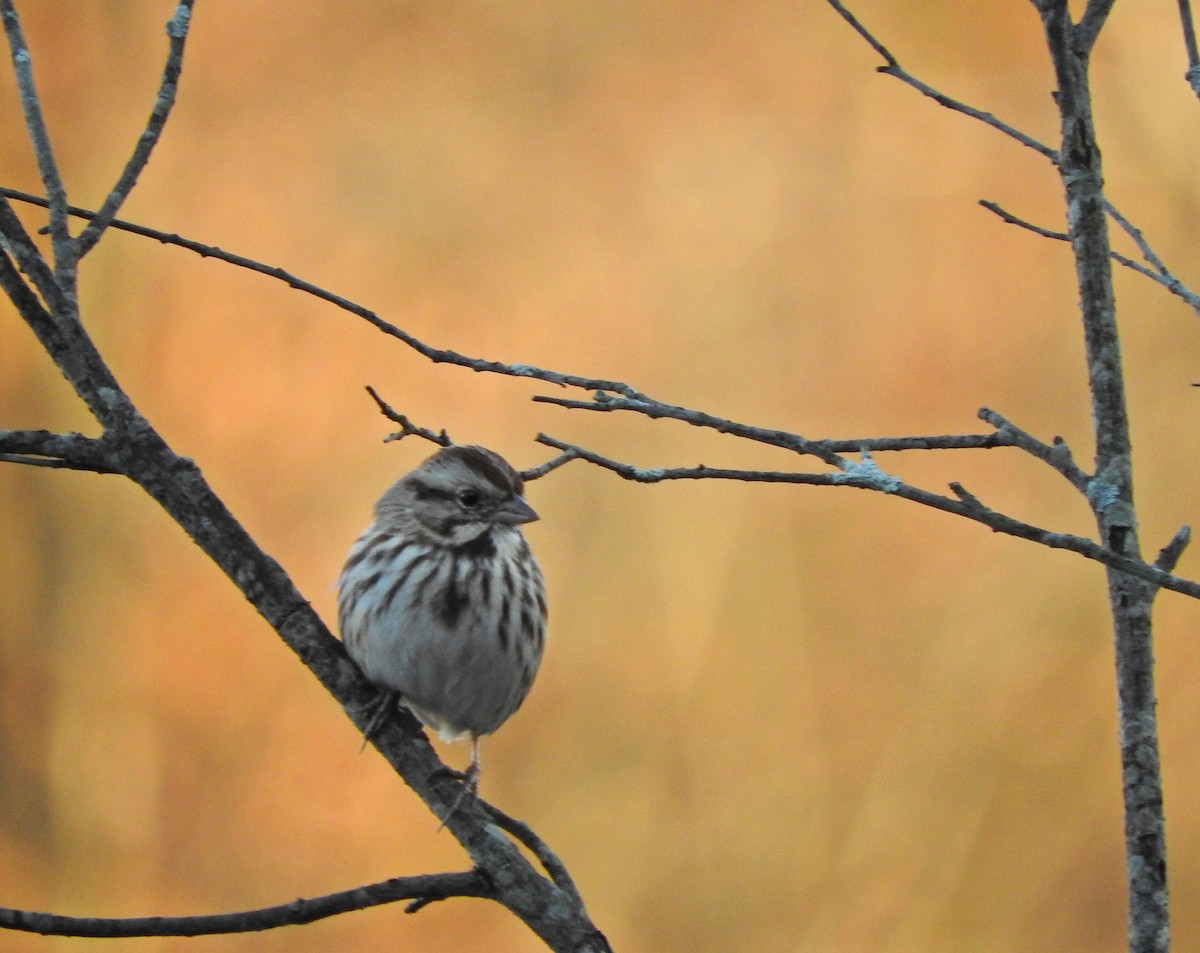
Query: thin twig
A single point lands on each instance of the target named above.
(546, 857)
(426, 888)
(1156, 272)
(433, 354)
(42, 320)
(893, 68)
(1164, 275)
(35, 122)
(861, 476)
(1189, 41)
(841, 445)
(407, 427)
(177, 31)
(648, 407)
(1094, 18)
(1168, 556)
(548, 467)
(1056, 454)
(1189, 33)
(1012, 219)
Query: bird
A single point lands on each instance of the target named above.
(441, 602)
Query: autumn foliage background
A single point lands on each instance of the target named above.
(771, 718)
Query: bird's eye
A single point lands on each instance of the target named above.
(469, 498)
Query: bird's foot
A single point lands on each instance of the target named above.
(381, 710)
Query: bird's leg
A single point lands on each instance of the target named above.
(381, 709)
(469, 778)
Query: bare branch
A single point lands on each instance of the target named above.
(1189, 42)
(35, 122)
(1057, 455)
(893, 68)
(407, 427)
(866, 34)
(1189, 39)
(1164, 275)
(1091, 23)
(1012, 219)
(550, 465)
(1157, 273)
(27, 303)
(604, 401)
(866, 476)
(425, 889)
(970, 441)
(69, 451)
(17, 242)
(177, 31)
(1168, 556)
(1088, 31)
(546, 857)
(433, 354)
(1111, 493)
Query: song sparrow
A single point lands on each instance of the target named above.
(441, 602)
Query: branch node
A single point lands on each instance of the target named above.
(970, 499)
(553, 464)
(866, 473)
(1169, 555)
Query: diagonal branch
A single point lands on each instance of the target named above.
(1057, 455)
(1189, 44)
(177, 31)
(609, 395)
(603, 401)
(1090, 24)
(893, 68)
(550, 907)
(433, 354)
(1086, 34)
(546, 857)
(1164, 277)
(407, 427)
(1189, 33)
(35, 122)
(18, 243)
(1156, 271)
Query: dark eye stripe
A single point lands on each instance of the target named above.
(423, 491)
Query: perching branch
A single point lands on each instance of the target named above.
(610, 395)
(551, 905)
(129, 445)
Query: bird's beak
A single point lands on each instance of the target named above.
(515, 511)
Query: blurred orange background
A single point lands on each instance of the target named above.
(771, 718)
